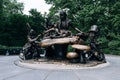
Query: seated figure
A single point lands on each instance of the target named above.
(95, 47)
(30, 50)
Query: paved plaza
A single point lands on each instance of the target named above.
(10, 71)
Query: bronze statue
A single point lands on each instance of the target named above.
(30, 50)
(93, 50)
(95, 47)
(63, 26)
(56, 38)
(33, 49)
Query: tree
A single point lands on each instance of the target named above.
(36, 20)
(12, 7)
(1, 8)
(11, 17)
(1, 12)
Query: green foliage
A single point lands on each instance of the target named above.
(3, 47)
(114, 45)
(70, 49)
(36, 20)
(13, 28)
(12, 7)
(103, 42)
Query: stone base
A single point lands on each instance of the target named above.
(59, 64)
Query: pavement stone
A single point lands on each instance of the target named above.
(9, 71)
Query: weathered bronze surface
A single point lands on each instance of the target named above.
(55, 41)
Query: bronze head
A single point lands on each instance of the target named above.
(63, 15)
